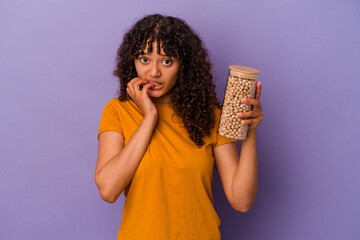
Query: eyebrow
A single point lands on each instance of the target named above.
(146, 53)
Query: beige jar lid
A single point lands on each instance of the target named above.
(244, 70)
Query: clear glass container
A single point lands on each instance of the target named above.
(241, 83)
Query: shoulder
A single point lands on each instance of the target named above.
(216, 119)
(217, 109)
(122, 109)
(217, 113)
(116, 104)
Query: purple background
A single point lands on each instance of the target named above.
(56, 60)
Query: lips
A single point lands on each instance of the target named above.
(155, 85)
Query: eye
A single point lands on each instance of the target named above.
(167, 62)
(144, 60)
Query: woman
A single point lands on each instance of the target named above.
(158, 140)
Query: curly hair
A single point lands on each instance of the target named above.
(193, 95)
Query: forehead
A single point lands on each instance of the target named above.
(154, 48)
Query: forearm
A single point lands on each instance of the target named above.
(245, 180)
(118, 172)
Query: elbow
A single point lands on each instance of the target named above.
(107, 197)
(243, 208)
(244, 204)
(109, 200)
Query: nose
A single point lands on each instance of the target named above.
(155, 71)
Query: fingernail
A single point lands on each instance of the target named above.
(243, 122)
(243, 99)
(240, 114)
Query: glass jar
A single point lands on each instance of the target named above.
(241, 83)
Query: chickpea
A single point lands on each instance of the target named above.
(237, 87)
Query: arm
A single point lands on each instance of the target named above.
(113, 174)
(117, 163)
(239, 176)
(245, 179)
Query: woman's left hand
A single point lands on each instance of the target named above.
(254, 117)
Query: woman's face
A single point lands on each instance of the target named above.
(160, 70)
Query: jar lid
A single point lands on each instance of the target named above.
(246, 70)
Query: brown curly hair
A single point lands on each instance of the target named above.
(193, 95)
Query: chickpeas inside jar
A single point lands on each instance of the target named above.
(241, 83)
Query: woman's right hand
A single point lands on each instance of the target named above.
(141, 97)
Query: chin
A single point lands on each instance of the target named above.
(160, 96)
(156, 94)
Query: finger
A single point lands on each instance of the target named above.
(130, 90)
(132, 81)
(251, 101)
(132, 84)
(138, 83)
(145, 89)
(249, 114)
(135, 79)
(258, 90)
(251, 120)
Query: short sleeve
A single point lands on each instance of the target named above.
(110, 120)
(220, 140)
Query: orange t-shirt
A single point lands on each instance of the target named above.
(170, 194)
